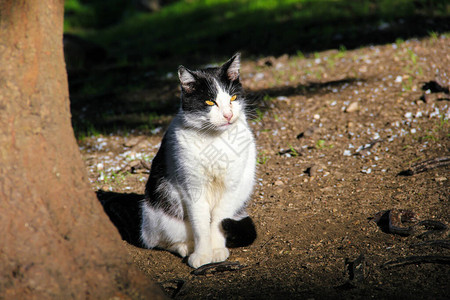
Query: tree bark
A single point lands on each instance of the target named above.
(55, 241)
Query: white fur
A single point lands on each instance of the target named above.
(212, 174)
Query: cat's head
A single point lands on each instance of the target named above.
(212, 99)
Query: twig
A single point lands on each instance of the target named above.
(396, 217)
(218, 268)
(392, 221)
(433, 259)
(356, 269)
(426, 165)
(441, 243)
(266, 242)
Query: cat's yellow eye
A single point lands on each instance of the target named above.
(209, 102)
(233, 98)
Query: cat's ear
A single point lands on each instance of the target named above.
(186, 79)
(232, 67)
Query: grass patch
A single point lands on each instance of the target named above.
(141, 47)
(217, 28)
(320, 144)
(262, 158)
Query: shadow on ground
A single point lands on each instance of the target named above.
(124, 211)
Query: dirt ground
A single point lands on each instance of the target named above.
(333, 132)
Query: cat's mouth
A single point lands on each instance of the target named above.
(225, 125)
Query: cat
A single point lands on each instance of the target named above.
(202, 176)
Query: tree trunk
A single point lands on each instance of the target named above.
(55, 240)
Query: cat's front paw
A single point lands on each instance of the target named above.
(220, 254)
(181, 249)
(199, 259)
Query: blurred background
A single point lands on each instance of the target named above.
(122, 55)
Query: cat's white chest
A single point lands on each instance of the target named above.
(222, 154)
(220, 161)
(219, 158)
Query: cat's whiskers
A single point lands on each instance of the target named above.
(206, 129)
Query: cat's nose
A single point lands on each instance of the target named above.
(228, 115)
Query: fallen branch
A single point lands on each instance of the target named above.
(393, 221)
(218, 268)
(430, 259)
(440, 243)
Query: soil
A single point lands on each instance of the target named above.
(346, 124)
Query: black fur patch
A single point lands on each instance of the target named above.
(157, 173)
(239, 233)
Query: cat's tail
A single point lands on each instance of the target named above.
(239, 233)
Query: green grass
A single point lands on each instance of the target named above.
(198, 32)
(293, 151)
(320, 144)
(262, 158)
(440, 130)
(259, 115)
(214, 29)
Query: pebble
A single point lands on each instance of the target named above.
(367, 171)
(312, 171)
(354, 106)
(440, 179)
(279, 182)
(132, 142)
(408, 115)
(308, 132)
(258, 76)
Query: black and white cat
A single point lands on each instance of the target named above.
(203, 174)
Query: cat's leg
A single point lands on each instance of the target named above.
(199, 217)
(224, 209)
(167, 232)
(218, 241)
(233, 200)
(149, 230)
(176, 235)
(182, 248)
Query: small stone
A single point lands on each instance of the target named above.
(106, 188)
(132, 142)
(312, 171)
(308, 132)
(354, 106)
(279, 182)
(258, 76)
(440, 179)
(134, 163)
